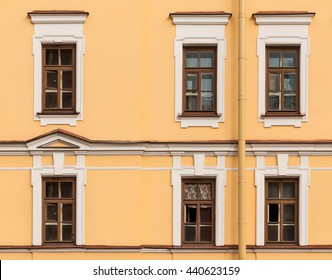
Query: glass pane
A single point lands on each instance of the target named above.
(51, 233)
(290, 81)
(190, 191)
(52, 57)
(273, 190)
(51, 212)
(190, 233)
(274, 101)
(272, 233)
(66, 189)
(289, 59)
(52, 189)
(67, 79)
(274, 83)
(190, 210)
(206, 213)
(288, 190)
(67, 232)
(205, 191)
(192, 59)
(289, 213)
(66, 57)
(191, 101)
(67, 212)
(206, 60)
(206, 233)
(52, 79)
(274, 58)
(288, 233)
(67, 99)
(51, 99)
(290, 101)
(191, 81)
(273, 215)
(206, 82)
(207, 101)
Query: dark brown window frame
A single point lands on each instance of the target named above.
(199, 71)
(198, 202)
(58, 110)
(59, 201)
(281, 202)
(282, 112)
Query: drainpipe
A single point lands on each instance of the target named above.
(241, 134)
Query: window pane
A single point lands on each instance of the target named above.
(52, 79)
(289, 213)
(67, 232)
(67, 79)
(289, 59)
(67, 212)
(191, 101)
(205, 191)
(51, 212)
(290, 101)
(67, 99)
(273, 233)
(206, 82)
(52, 57)
(274, 81)
(191, 82)
(273, 215)
(288, 233)
(190, 233)
(190, 210)
(66, 189)
(274, 101)
(273, 190)
(66, 57)
(192, 59)
(51, 99)
(206, 213)
(206, 233)
(274, 58)
(190, 191)
(207, 101)
(52, 189)
(206, 59)
(288, 190)
(290, 81)
(51, 233)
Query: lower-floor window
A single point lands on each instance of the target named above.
(198, 206)
(281, 206)
(59, 210)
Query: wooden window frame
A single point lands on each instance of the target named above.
(58, 110)
(199, 71)
(58, 201)
(280, 202)
(282, 112)
(198, 202)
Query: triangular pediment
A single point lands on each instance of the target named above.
(59, 144)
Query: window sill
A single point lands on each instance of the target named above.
(202, 120)
(282, 115)
(69, 118)
(283, 119)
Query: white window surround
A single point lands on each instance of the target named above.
(195, 29)
(58, 28)
(199, 171)
(283, 29)
(282, 170)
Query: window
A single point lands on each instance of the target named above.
(199, 87)
(281, 211)
(198, 211)
(282, 94)
(59, 210)
(59, 67)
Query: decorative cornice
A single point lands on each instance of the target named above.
(283, 18)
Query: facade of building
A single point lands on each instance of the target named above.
(124, 142)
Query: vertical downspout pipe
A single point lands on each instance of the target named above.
(241, 132)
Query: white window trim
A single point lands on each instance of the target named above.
(200, 30)
(283, 30)
(199, 171)
(282, 170)
(58, 29)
